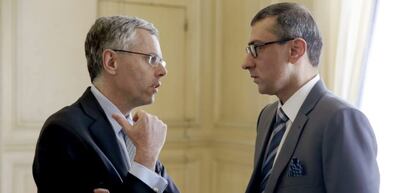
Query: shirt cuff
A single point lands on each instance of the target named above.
(149, 177)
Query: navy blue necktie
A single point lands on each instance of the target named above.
(279, 128)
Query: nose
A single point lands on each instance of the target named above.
(161, 70)
(248, 62)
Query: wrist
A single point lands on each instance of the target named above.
(147, 161)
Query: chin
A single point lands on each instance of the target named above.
(265, 91)
(262, 90)
(148, 102)
(143, 102)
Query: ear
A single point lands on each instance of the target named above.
(109, 61)
(298, 49)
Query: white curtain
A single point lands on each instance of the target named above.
(346, 27)
(353, 43)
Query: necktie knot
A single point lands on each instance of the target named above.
(281, 117)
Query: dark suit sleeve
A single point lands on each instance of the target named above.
(133, 184)
(171, 187)
(349, 152)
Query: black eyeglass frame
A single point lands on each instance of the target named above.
(153, 59)
(252, 47)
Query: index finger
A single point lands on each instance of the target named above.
(122, 121)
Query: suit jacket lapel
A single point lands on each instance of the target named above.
(294, 134)
(265, 122)
(103, 134)
(287, 150)
(266, 118)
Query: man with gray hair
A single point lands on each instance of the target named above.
(309, 140)
(97, 144)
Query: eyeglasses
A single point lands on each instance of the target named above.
(253, 47)
(153, 59)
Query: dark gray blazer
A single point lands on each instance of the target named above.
(331, 148)
(77, 151)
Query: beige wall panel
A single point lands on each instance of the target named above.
(108, 8)
(162, 2)
(187, 168)
(16, 174)
(42, 69)
(50, 63)
(231, 170)
(176, 102)
(329, 27)
(238, 101)
(44, 63)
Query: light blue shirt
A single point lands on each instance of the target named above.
(149, 177)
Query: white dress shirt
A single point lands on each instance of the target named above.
(149, 177)
(292, 106)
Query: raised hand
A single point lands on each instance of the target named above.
(148, 134)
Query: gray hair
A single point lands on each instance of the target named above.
(114, 32)
(294, 21)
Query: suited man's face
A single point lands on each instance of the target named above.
(136, 80)
(270, 69)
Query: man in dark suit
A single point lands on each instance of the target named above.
(97, 144)
(310, 140)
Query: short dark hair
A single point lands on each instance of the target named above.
(114, 32)
(294, 21)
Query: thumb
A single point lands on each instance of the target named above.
(122, 121)
(139, 115)
(135, 117)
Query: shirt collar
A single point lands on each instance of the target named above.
(293, 104)
(109, 108)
